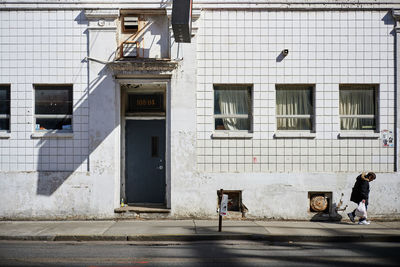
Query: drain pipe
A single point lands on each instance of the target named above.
(396, 16)
(98, 60)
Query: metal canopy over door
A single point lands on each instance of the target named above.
(145, 158)
(145, 144)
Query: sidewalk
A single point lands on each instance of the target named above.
(193, 230)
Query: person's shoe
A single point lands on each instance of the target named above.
(351, 217)
(365, 222)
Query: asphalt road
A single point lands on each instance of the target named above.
(218, 253)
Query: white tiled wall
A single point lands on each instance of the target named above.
(40, 47)
(326, 48)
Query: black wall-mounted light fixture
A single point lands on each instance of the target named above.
(282, 55)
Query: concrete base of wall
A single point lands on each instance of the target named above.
(273, 196)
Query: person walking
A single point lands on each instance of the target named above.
(360, 193)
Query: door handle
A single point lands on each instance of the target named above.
(160, 167)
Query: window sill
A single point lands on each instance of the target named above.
(232, 134)
(52, 134)
(4, 135)
(356, 134)
(294, 134)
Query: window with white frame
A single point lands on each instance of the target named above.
(294, 107)
(4, 107)
(358, 106)
(232, 107)
(53, 107)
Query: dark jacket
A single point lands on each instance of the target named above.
(360, 191)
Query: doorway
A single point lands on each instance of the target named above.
(144, 144)
(145, 161)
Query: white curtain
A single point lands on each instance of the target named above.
(293, 102)
(234, 102)
(356, 102)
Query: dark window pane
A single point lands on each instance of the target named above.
(357, 99)
(4, 99)
(154, 146)
(357, 102)
(357, 124)
(294, 101)
(4, 107)
(219, 124)
(294, 124)
(4, 124)
(232, 124)
(54, 124)
(231, 101)
(53, 100)
(4, 93)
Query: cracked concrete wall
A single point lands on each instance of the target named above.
(283, 195)
(183, 131)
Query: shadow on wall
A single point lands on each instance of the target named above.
(60, 157)
(388, 19)
(49, 182)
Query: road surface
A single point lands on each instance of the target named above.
(205, 253)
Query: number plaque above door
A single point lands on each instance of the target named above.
(146, 103)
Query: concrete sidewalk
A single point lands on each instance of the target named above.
(192, 230)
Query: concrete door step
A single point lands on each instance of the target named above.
(142, 209)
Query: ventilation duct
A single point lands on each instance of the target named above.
(182, 20)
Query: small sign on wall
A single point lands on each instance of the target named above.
(224, 205)
(141, 103)
(387, 138)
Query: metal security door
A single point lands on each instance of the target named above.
(145, 161)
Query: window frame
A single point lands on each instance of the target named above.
(6, 87)
(53, 116)
(249, 87)
(359, 86)
(305, 116)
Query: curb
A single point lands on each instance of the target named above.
(27, 238)
(198, 237)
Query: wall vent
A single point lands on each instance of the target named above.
(320, 202)
(130, 24)
(129, 49)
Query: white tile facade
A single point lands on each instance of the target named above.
(326, 49)
(233, 42)
(43, 47)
